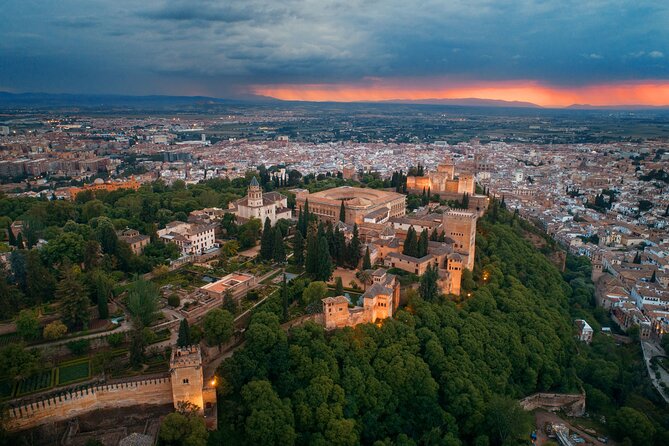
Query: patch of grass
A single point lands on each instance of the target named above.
(35, 383)
(73, 372)
(6, 389)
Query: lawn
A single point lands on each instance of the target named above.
(35, 383)
(73, 372)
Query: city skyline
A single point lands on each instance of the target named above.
(553, 54)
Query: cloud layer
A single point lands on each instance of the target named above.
(233, 47)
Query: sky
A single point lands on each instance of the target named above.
(549, 52)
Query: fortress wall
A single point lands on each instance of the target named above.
(62, 407)
(571, 404)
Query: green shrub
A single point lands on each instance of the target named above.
(115, 339)
(79, 346)
(173, 300)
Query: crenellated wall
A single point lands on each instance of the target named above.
(62, 407)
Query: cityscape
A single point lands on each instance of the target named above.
(241, 223)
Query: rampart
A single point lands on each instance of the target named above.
(155, 391)
(572, 404)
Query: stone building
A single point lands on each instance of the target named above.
(380, 301)
(133, 238)
(257, 204)
(191, 238)
(360, 204)
(443, 181)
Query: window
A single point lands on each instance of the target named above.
(185, 380)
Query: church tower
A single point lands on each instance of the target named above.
(597, 267)
(254, 194)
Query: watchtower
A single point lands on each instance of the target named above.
(186, 376)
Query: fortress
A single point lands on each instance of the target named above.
(443, 181)
(185, 383)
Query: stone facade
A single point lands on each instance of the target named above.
(360, 204)
(379, 302)
(443, 181)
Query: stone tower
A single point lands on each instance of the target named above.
(186, 376)
(597, 267)
(454, 266)
(254, 194)
(460, 226)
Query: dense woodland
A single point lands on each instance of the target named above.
(440, 372)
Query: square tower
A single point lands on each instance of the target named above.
(186, 376)
(460, 226)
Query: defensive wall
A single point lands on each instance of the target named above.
(156, 391)
(572, 404)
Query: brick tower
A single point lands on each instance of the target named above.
(186, 376)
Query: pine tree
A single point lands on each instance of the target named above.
(342, 212)
(422, 244)
(278, 250)
(267, 241)
(367, 261)
(298, 248)
(74, 301)
(184, 334)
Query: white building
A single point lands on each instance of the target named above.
(191, 238)
(257, 204)
(584, 331)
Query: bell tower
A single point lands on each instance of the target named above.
(254, 194)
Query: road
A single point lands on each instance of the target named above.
(651, 349)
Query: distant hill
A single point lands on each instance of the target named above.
(110, 100)
(617, 107)
(470, 102)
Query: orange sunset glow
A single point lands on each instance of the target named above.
(650, 93)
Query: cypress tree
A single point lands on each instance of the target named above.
(311, 259)
(300, 222)
(229, 302)
(184, 334)
(465, 201)
(410, 243)
(637, 258)
(19, 241)
(503, 204)
(442, 236)
(324, 262)
(278, 250)
(285, 298)
(339, 287)
(354, 248)
(267, 241)
(434, 235)
(340, 247)
(367, 261)
(342, 212)
(298, 248)
(329, 234)
(103, 309)
(428, 284)
(653, 278)
(12, 240)
(422, 244)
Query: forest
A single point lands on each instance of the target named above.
(441, 372)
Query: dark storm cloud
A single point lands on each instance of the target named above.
(218, 47)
